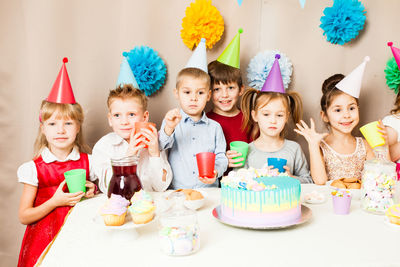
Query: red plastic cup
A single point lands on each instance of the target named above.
(206, 164)
(139, 126)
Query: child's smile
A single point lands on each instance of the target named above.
(225, 97)
(342, 114)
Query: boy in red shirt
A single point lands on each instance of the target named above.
(227, 87)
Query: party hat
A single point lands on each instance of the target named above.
(396, 53)
(199, 57)
(274, 82)
(62, 90)
(351, 84)
(126, 75)
(231, 54)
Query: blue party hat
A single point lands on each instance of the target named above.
(126, 75)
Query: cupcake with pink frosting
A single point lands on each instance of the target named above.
(114, 211)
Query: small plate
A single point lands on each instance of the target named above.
(306, 214)
(129, 224)
(314, 200)
(386, 221)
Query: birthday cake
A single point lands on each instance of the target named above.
(260, 198)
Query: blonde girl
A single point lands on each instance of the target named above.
(59, 147)
(266, 115)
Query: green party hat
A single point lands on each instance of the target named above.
(231, 54)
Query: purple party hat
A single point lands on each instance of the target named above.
(274, 82)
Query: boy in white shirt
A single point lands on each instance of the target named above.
(127, 105)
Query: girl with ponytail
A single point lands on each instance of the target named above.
(266, 114)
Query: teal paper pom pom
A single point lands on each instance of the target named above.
(147, 67)
(343, 21)
(392, 75)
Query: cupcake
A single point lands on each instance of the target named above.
(114, 211)
(142, 208)
(393, 214)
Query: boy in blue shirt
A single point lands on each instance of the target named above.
(188, 131)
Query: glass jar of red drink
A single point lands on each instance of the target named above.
(124, 181)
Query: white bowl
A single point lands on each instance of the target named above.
(190, 204)
(198, 203)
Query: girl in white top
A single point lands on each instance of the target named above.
(126, 106)
(392, 123)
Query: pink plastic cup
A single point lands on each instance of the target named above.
(206, 164)
(139, 126)
(341, 205)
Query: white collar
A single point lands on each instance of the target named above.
(115, 139)
(49, 157)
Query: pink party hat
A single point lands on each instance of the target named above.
(351, 84)
(396, 53)
(274, 82)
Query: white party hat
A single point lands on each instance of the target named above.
(199, 57)
(351, 84)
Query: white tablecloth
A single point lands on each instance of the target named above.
(357, 239)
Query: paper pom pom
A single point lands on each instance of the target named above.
(149, 69)
(260, 66)
(343, 21)
(392, 74)
(202, 20)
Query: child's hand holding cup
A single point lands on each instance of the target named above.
(237, 154)
(277, 163)
(206, 166)
(76, 180)
(139, 126)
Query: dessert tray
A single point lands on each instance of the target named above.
(306, 215)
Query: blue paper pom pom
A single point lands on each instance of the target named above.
(149, 69)
(260, 66)
(343, 21)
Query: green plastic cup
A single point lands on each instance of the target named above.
(371, 134)
(76, 180)
(241, 147)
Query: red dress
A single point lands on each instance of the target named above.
(39, 234)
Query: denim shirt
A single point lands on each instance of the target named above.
(188, 139)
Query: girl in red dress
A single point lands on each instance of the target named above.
(59, 147)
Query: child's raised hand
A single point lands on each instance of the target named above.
(206, 180)
(309, 133)
(90, 189)
(172, 118)
(134, 140)
(231, 154)
(151, 140)
(60, 198)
